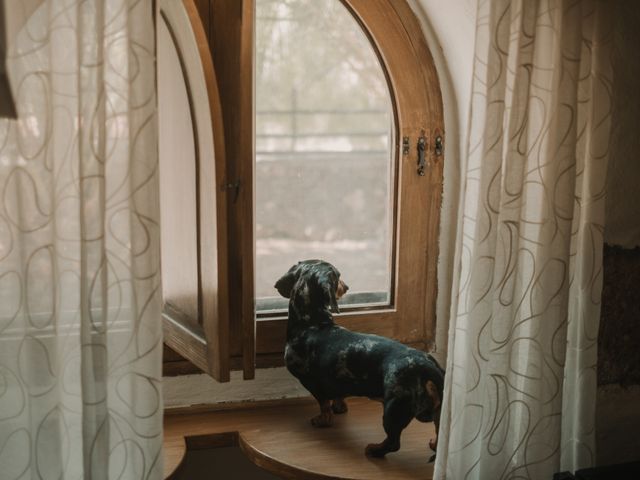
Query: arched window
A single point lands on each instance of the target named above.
(333, 148)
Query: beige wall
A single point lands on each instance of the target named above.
(618, 412)
(449, 28)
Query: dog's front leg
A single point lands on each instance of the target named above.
(339, 406)
(325, 418)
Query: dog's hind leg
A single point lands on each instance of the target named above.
(397, 415)
(339, 406)
(433, 443)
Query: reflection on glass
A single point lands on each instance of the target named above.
(324, 142)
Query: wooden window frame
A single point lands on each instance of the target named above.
(202, 338)
(397, 38)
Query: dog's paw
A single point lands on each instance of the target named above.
(376, 450)
(321, 421)
(339, 406)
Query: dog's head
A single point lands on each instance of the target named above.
(316, 282)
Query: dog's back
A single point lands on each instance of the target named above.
(345, 363)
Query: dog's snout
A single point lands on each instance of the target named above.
(342, 289)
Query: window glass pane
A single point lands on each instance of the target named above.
(177, 151)
(324, 143)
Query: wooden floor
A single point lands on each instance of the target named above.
(281, 440)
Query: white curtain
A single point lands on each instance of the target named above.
(520, 390)
(80, 332)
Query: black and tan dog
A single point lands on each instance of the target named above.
(333, 362)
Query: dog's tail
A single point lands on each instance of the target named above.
(432, 381)
(430, 404)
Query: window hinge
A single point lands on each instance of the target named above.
(405, 145)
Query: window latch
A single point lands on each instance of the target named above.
(422, 148)
(235, 186)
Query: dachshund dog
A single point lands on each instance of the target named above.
(333, 362)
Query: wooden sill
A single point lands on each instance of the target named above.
(280, 439)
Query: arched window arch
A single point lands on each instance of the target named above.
(280, 156)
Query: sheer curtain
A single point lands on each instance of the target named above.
(80, 332)
(520, 390)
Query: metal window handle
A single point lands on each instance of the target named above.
(422, 148)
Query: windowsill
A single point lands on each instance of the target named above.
(279, 438)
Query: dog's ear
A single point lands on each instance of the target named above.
(286, 283)
(329, 292)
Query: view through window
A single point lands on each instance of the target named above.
(324, 150)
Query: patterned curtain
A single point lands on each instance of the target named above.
(80, 332)
(521, 383)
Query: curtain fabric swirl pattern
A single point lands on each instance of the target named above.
(80, 331)
(521, 383)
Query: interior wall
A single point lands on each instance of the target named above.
(201, 389)
(450, 31)
(618, 412)
(618, 415)
(449, 28)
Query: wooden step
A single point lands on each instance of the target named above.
(280, 439)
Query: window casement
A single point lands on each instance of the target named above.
(213, 136)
